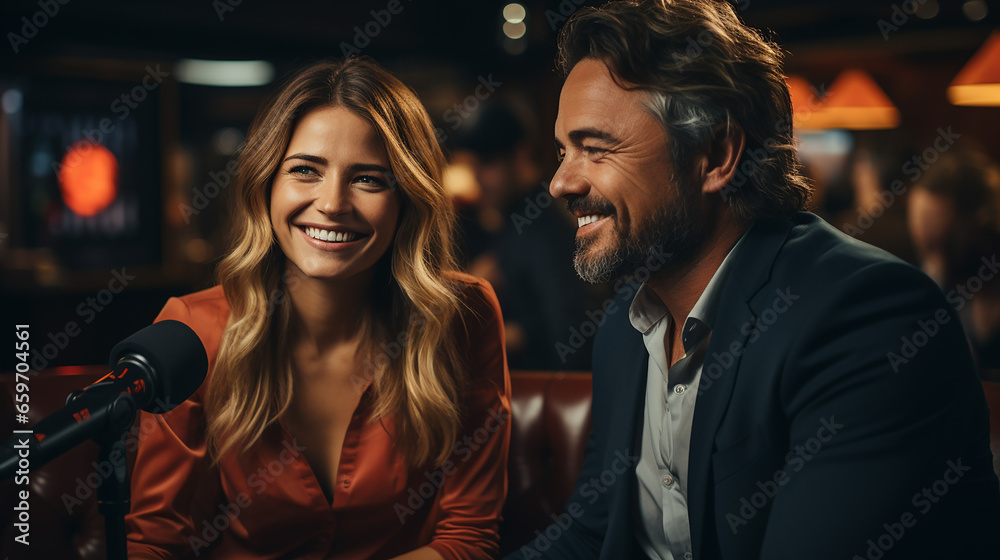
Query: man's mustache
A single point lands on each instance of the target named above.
(590, 205)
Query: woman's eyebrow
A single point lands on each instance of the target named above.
(368, 167)
(307, 157)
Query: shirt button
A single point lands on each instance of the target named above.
(668, 480)
(679, 389)
(345, 482)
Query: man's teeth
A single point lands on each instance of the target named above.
(334, 236)
(588, 219)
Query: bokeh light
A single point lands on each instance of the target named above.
(88, 178)
(514, 30)
(514, 13)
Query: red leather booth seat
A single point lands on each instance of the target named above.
(549, 428)
(551, 420)
(60, 527)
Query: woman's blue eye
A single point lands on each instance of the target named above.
(301, 170)
(370, 180)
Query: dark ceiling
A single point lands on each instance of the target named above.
(450, 32)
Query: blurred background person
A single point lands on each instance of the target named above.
(873, 213)
(521, 240)
(954, 220)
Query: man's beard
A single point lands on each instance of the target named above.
(662, 243)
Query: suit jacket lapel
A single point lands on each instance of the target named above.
(637, 391)
(750, 271)
(633, 394)
(626, 436)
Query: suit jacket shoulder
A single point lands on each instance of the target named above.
(815, 254)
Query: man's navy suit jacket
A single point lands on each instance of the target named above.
(839, 415)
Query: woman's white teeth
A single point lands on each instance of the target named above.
(334, 236)
(587, 220)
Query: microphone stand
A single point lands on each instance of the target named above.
(113, 494)
(104, 412)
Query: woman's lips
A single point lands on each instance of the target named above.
(329, 240)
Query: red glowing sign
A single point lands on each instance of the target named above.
(88, 178)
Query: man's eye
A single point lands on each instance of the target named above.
(593, 150)
(560, 155)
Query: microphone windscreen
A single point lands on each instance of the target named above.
(176, 354)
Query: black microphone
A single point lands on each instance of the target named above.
(155, 369)
(161, 365)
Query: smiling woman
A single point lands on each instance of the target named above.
(309, 435)
(332, 207)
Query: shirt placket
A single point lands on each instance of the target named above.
(676, 526)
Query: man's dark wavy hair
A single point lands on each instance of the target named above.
(703, 70)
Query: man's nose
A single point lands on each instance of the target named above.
(568, 180)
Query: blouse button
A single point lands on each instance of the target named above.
(345, 482)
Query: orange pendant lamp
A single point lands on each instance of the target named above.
(855, 102)
(806, 114)
(978, 83)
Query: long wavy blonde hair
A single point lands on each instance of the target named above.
(420, 388)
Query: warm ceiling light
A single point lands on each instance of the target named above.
(459, 181)
(514, 46)
(514, 30)
(805, 104)
(88, 178)
(978, 83)
(855, 102)
(225, 73)
(928, 9)
(975, 10)
(514, 13)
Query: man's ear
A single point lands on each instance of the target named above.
(717, 165)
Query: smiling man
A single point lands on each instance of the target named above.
(748, 386)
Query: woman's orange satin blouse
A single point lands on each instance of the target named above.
(268, 503)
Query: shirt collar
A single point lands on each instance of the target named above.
(647, 309)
